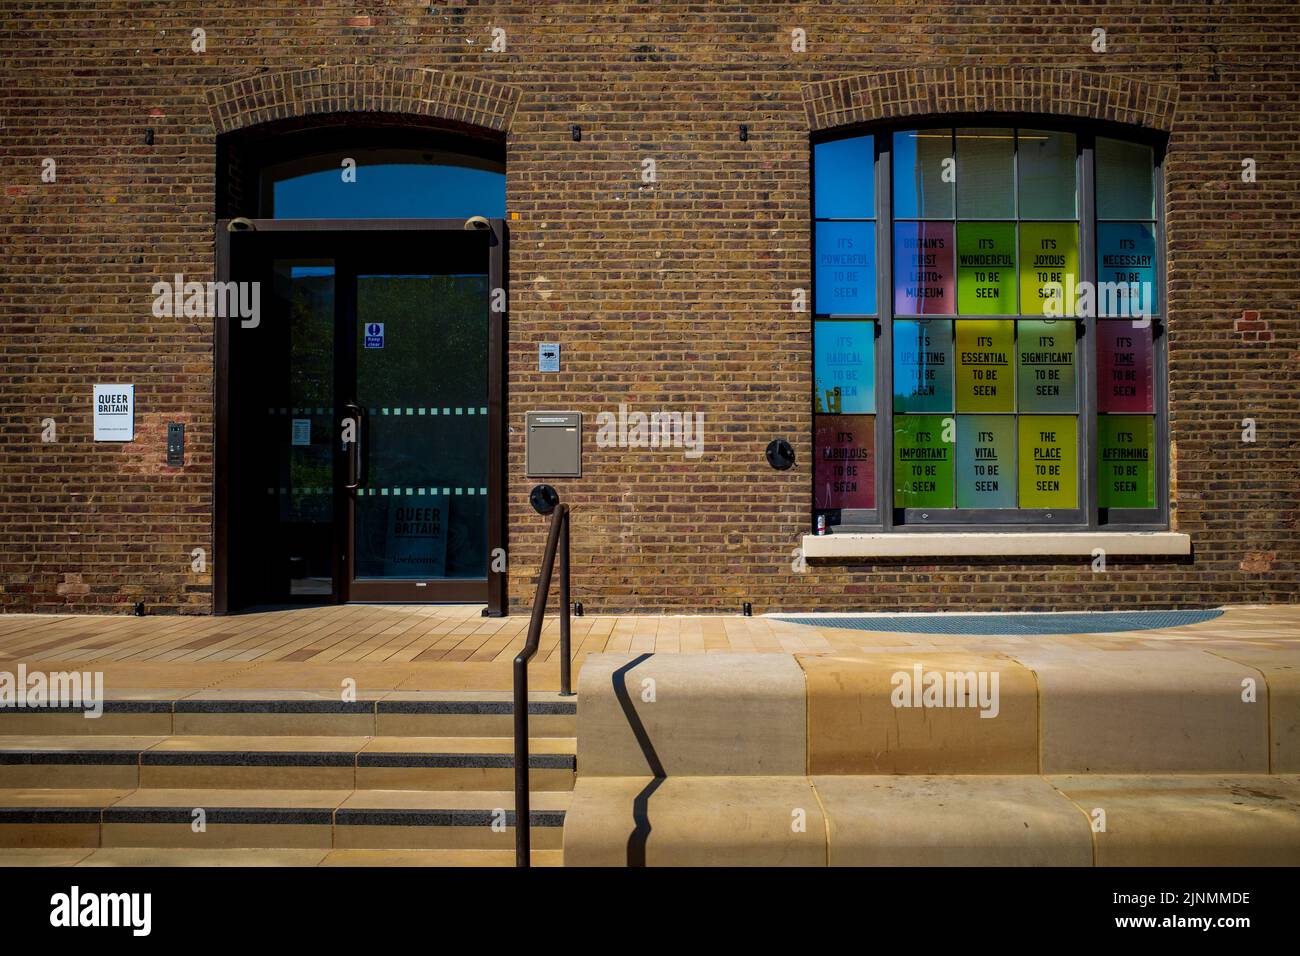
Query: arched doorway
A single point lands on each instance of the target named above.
(359, 446)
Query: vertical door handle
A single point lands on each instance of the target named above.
(356, 472)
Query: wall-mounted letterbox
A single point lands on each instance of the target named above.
(554, 444)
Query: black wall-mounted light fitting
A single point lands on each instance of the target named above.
(744, 133)
(780, 454)
(575, 132)
(543, 498)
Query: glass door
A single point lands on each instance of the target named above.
(359, 448)
(418, 474)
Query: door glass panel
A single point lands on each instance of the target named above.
(422, 508)
(301, 426)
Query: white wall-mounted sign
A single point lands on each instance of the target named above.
(114, 412)
(548, 356)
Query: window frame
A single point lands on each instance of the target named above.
(1088, 516)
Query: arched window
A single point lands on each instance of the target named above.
(401, 183)
(988, 331)
(360, 410)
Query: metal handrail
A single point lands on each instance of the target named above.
(558, 538)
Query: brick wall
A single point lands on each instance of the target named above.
(673, 295)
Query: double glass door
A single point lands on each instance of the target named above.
(361, 419)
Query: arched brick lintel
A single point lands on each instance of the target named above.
(922, 91)
(286, 94)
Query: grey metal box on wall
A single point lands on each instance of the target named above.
(553, 447)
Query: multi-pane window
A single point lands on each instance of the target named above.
(987, 330)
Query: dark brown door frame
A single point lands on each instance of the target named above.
(495, 581)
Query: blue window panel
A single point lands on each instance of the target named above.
(846, 268)
(843, 178)
(845, 368)
(1126, 258)
(392, 191)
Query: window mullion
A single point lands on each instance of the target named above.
(1088, 363)
(1160, 356)
(885, 316)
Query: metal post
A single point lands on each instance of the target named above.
(566, 690)
(523, 833)
(559, 523)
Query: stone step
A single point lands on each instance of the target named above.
(925, 820)
(211, 819)
(930, 711)
(267, 762)
(167, 857)
(302, 713)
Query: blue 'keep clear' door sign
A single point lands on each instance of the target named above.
(374, 335)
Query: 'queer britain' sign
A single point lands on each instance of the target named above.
(114, 412)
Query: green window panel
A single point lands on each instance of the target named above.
(923, 460)
(1126, 461)
(986, 268)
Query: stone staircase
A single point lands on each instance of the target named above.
(1081, 758)
(282, 778)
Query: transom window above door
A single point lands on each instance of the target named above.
(989, 344)
(374, 183)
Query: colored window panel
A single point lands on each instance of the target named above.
(1126, 466)
(1048, 185)
(924, 282)
(844, 474)
(1126, 269)
(986, 268)
(986, 174)
(984, 352)
(846, 268)
(986, 461)
(923, 366)
(845, 367)
(923, 461)
(1045, 377)
(1126, 182)
(844, 181)
(1125, 367)
(1048, 461)
(1049, 267)
(923, 174)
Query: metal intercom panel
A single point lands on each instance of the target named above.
(554, 444)
(176, 443)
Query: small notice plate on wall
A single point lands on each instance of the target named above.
(302, 431)
(114, 412)
(548, 356)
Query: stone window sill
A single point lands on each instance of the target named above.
(995, 544)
